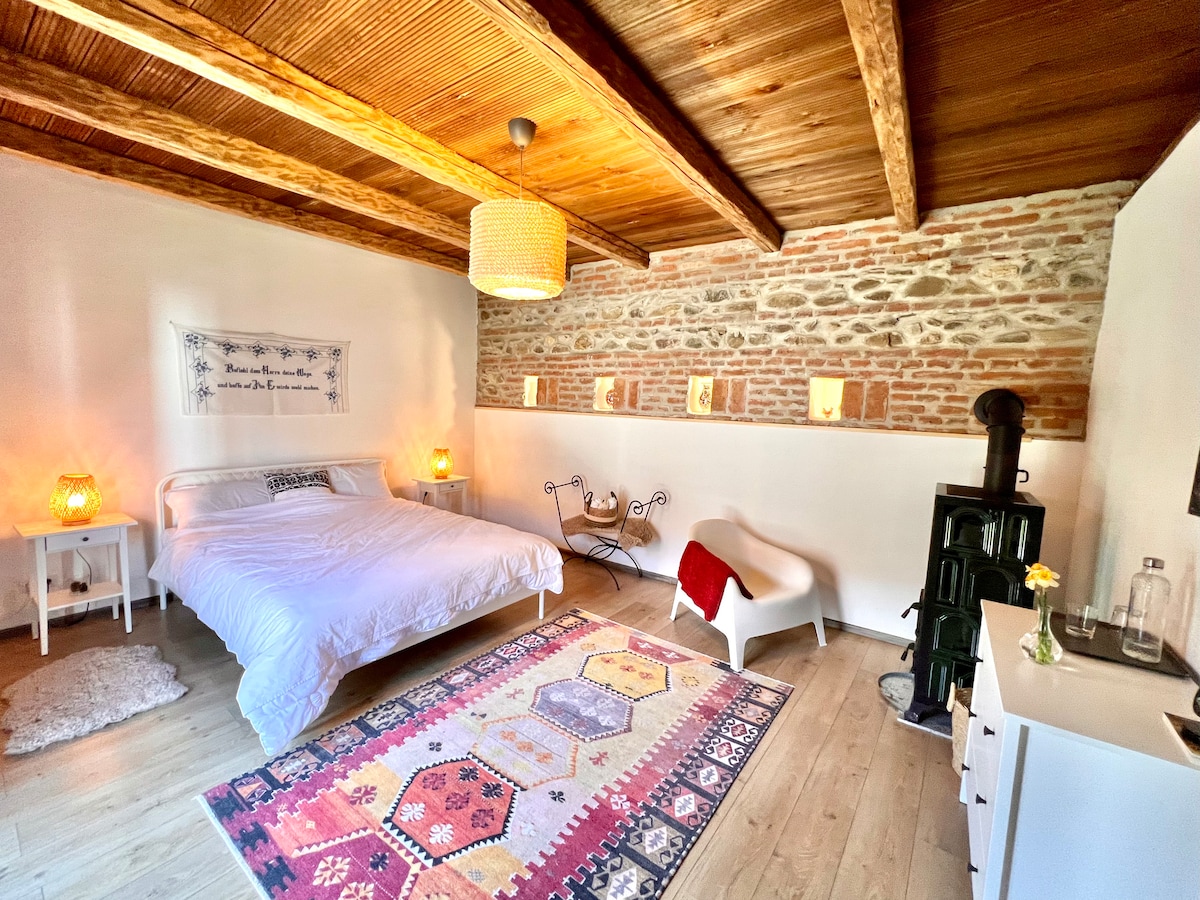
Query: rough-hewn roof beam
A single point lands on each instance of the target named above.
(53, 90)
(562, 37)
(32, 144)
(189, 40)
(875, 30)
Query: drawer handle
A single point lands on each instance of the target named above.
(971, 715)
(85, 538)
(972, 869)
(966, 768)
(979, 799)
(987, 730)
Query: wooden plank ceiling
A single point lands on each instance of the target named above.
(661, 123)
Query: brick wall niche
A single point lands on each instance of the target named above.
(1005, 294)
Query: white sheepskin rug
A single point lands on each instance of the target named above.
(84, 692)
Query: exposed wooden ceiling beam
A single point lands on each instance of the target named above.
(562, 37)
(875, 31)
(206, 48)
(32, 144)
(52, 90)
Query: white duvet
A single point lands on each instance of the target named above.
(306, 590)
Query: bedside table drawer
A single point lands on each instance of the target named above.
(97, 537)
(453, 487)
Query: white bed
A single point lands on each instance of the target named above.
(308, 588)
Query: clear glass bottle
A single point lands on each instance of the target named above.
(1146, 619)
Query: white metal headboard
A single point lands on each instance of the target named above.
(191, 477)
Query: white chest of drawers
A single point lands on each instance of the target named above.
(1074, 785)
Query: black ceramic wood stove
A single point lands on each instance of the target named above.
(982, 540)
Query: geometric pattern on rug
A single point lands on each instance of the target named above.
(581, 759)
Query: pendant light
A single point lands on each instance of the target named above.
(518, 246)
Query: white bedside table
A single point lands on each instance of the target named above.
(109, 530)
(444, 493)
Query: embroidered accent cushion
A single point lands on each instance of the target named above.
(281, 483)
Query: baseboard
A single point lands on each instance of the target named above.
(868, 632)
(646, 573)
(14, 630)
(830, 623)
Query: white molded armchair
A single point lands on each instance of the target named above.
(782, 583)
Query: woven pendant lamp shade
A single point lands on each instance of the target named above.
(518, 249)
(75, 499)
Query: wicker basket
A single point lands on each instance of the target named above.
(598, 514)
(959, 705)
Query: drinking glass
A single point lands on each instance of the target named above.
(1082, 616)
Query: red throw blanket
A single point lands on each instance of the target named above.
(702, 577)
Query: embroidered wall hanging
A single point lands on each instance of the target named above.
(233, 373)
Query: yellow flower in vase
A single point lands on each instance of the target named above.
(1039, 576)
(1040, 645)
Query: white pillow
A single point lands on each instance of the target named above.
(188, 502)
(296, 493)
(363, 479)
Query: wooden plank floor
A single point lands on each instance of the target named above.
(840, 801)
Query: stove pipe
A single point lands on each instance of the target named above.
(1001, 411)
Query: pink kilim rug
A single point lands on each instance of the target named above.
(579, 760)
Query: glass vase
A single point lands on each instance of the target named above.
(1041, 645)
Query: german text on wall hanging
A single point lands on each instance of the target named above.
(233, 373)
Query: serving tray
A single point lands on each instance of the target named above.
(1106, 644)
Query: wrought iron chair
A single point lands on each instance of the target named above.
(628, 531)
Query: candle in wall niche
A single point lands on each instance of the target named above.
(699, 395)
(825, 399)
(530, 397)
(441, 463)
(604, 399)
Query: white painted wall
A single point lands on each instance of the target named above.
(91, 276)
(1144, 419)
(857, 503)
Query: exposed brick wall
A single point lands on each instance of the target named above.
(1004, 294)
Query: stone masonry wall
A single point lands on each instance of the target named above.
(1004, 294)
